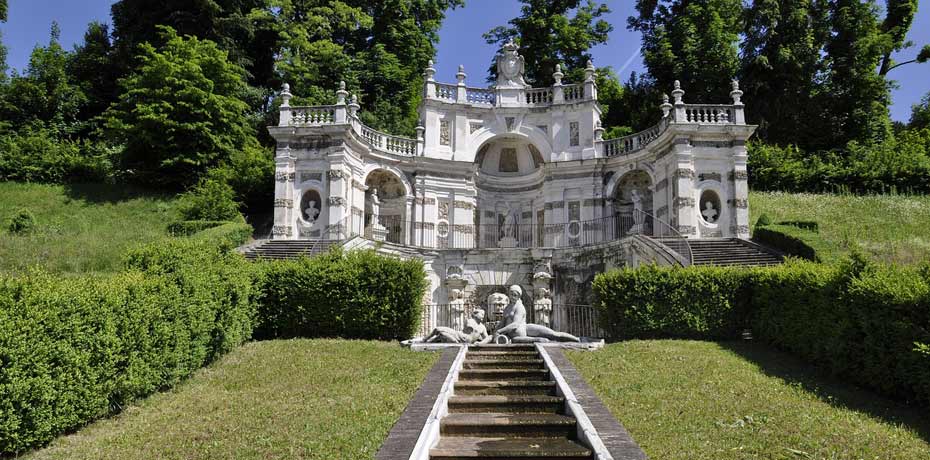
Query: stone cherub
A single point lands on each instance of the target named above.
(514, 327)
(474, 332)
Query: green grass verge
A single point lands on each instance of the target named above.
(309, 399)
(704, 400)
(80, 228)
(889, 228)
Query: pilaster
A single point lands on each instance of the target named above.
(683, 203)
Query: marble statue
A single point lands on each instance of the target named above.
(638, 216)
(542, 307)
(514, 327)
(311, 212)
(498, 302)
(509, 229)
(474, 331)
(709, 212)
(510, 66)
(457, 307)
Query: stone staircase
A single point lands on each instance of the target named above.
(288, 249)
(731, 251)
(505, 407)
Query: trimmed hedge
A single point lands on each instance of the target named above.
(190, 227)
(230, 235)
(356, 295)
(652, 302)
(866, 323)
(792, 241)
(75, 349)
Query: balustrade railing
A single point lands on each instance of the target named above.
(634, 142)
(480, 96)
(577, 320)
(573, 92)
(710, 114)
(448, 92)
(539, 96)
(316, 115)
(670, 237)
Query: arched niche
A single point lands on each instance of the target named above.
(385, 203)
(508, 157)
(635, 181)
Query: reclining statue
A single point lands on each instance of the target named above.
(516, 329)
(474, 331)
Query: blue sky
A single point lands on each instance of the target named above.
(460, 40)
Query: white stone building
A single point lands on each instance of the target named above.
(504, 180)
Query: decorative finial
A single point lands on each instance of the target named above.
(355, 99)
(341, 94)
(557, 76)
(460, 76)
(590, 64)
(678, 93)
(430, 71)
(461, 68)
(589, 72)
(286, 95)
(666, 107)
(736, 93)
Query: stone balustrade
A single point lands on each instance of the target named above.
(634, 142)
(316, 115)
(709, 114)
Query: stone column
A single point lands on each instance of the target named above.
(740, 190)
(683, 176)
(285, 165)
(337, 202)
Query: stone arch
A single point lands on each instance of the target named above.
(401, 177)
(610, 190)
(385, 219)
(530, 134)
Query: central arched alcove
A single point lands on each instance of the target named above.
(509, 183)
(634, 191)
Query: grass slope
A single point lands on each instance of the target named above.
(703, 400)
(80, 228)
(294, 399)
(890, 228)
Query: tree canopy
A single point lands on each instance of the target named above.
(181, 111)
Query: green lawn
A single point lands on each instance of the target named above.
(704, 400)
(80, 228)
(891, 228)
(293, 399)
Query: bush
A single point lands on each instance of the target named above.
(228, 236)
(210, 200)
(764, 220)
(866, 323)
(650, 302)
(77, 348)
(357, 295)
(22, 221)
(35, 155)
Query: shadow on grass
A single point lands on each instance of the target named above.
(828, 388)
(110, 193)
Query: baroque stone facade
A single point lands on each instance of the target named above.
(512, 167)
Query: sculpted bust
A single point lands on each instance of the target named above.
(510, 66)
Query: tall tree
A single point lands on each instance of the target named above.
(225, 22)
(920, 114)
(89, 67)
(855, 102)
(44, 92)
(181, 112)
(3, 10)
(694, 41)
(781, 62)
(378, 48)
(551, 32)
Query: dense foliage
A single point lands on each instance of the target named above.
(181, 112)
(77, 348)
(868, 323)
(354, 295)
(22, 221)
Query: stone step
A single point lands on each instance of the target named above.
(503, 374)
(503, 363)
(511, 347)
(509, 425)
(508, 355)
(458, 448)
(507, 404)
(504, 387)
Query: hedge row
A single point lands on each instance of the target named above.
(74, 349)
(357, 295)
(868, 323)
(190, 227)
